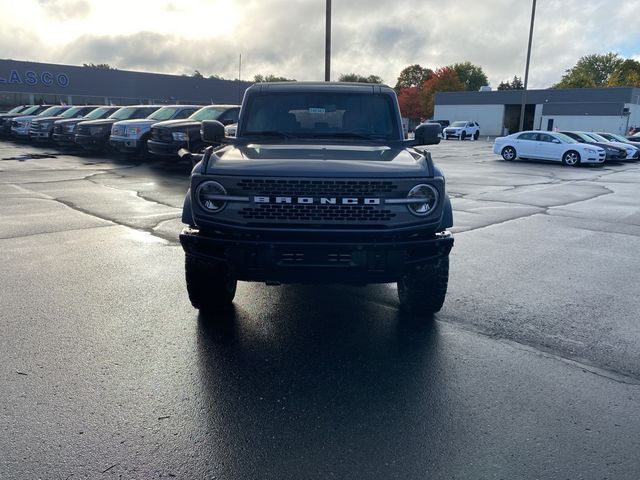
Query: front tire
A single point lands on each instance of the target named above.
(423, 291)
(463, 135)
(509, 153)
(571, 158)
(476, 135)
(209, 285)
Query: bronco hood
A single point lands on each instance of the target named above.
(333, 160)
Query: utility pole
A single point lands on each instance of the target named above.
(526, 68)
(327, 45)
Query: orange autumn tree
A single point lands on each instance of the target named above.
(444, 79)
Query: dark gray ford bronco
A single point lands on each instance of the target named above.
(318, 186)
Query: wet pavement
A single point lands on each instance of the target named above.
(531, 370)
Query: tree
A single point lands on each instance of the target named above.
(413, 76)
(626, 75)
(515, 84)
(472, 76)
(357, 78)
(197, 74)
(444, 79)
(591, 71)
(102, 66)
(270, 78)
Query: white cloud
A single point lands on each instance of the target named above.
(286, 38)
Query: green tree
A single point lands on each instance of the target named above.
(591, 71)
(271, 78)
(413, 76)
(197, 74)
(444, 79)
(472, 76)
(626, 75)
(357, 78)
(515, 84)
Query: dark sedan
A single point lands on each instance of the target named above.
(613, 153)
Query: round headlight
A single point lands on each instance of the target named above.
(207, 193)
(426, 199)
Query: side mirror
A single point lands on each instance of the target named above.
(212, 131)
(428, 134)
(555, 140)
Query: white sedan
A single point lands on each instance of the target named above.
(552, 146)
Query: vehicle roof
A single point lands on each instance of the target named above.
(319, 86)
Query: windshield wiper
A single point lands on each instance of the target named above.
(349, 135)
(270, 133)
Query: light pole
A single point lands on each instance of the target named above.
(526, 68)
(327, 44)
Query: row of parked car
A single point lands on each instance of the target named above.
(157, 129)
(569, 147)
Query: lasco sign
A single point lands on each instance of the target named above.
(29, 77)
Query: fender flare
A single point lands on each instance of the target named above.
(187, 212)
(447, 215)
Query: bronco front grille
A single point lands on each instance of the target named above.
(311, 213)
(311, 188)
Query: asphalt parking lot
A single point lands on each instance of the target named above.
(531, 369)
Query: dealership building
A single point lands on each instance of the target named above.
(31, 83)
(612, 109)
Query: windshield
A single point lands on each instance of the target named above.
(458, 124)
(597, 138)
(564, 138)
(50, 112)
(72, 112)
(207, 113)
(124, 113)
(31, 109)
(165, 113)
(99, 112)
(617, 137)
(321, 115)
(17, 109)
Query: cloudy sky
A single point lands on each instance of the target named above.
(286, 38)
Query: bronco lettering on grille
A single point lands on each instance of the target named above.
(317, 200)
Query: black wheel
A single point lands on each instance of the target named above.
(463, 135)
(143, 148)
(571, 158)
(476, 135)
(209, 285)
(423, 291)
(509, 153)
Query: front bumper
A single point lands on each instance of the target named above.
(124, 144)
(63, 139)
(165, 149)
(343, 262)
(40, 135)
(20, 132)
(90, 142)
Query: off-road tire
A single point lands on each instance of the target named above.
(209, 285)
(423, 291)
